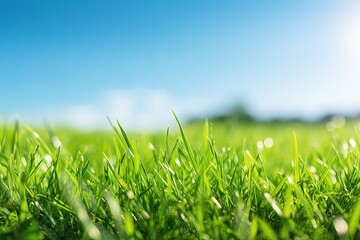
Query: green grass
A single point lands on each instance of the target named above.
(217, 181)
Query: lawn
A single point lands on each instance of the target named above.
(198, 181)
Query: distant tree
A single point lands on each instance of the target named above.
(235, 113)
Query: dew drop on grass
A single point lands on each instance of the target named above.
(94, 232)
(151, 147)
(312, 169)
(236, 159)
(313, 222)
(290, 180)
(56, 142)
(330, 126)
(48, 159)
(340, 121)
(23, 160)
(341, 226)
(183, 217)
(336, 122)
(333, 179)
(352, 142)
(134, 217)
(36, 135)
(130, 195)
(319, 161)
(43, 167)
(177, 161)
(268, 142)
(145, 214)
(333, 176)
(260, 145)
(169, 168)
(114, 208)
(206, 237)
(273, 204)
(216, 202)
(316, 177)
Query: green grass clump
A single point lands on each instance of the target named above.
(229, 181)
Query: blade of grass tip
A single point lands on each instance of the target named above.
(205, 134)
(296, 161)
(213, 151)
(303, 201)
(232, 176)
(113, 127)
(279, 187)
(53, 175)
(136, 159)
(2, 145)
(117, 133)
(128, 143)
(41, 141)
(117, 150)
(184, 138)
(174, 148)
(119, 180)
(167, 142)
(33, 156)
(329, 165)
(36, 168)
(15, 137)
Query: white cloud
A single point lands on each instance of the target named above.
(85, 116)
(136, 109)
(351, 32)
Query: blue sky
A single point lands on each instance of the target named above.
(76, 62)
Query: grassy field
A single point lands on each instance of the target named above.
(208, 181)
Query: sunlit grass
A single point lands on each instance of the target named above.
(227, 181)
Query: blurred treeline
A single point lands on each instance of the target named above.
(240, 113)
